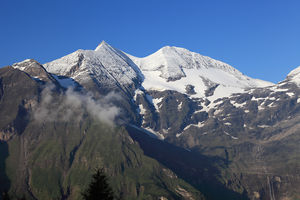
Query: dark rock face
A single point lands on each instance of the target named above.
(211, 86)
(254, 128)
(75, 67)
(35, 70)
(170, 115)
(252, 131)
(190, 89)
(19, 93)
(210, 91)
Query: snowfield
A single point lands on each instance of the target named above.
(170, 68)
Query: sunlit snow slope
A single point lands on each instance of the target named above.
(173, 68)
(170, 68)
(105, 65)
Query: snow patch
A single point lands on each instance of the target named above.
(136, 93)
(218, 111)
(199, 125)
(226, 133)
(159, 135)
(156, 102)
(290, 94)
(178, 135)
(280, 89)
(271, 105)
(165, 131)
(142, 109)
(180, 106)
(238, 105)
(260, 107)
(65, 81)
(263, 126)
(258, 99)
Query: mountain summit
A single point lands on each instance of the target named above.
(170, 68)
(174, 68)
(103, 67)
(103, 44)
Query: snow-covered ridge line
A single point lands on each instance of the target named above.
(105, 65)
(294, 76)
(175, 68)
(170, 68)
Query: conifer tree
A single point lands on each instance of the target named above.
(98, 188)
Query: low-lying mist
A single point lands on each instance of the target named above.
(74, 105)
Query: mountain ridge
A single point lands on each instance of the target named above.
(167, 66)
(198, 106)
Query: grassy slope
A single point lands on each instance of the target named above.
(58, 159)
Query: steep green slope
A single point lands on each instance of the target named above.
(59, 162)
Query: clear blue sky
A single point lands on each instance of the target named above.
(261, 38)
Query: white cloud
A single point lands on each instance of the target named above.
(73, 105)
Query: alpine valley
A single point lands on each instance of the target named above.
(172, 125)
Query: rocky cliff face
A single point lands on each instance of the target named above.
(18, 95)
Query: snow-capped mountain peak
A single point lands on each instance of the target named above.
(167, 60)
(294, 76)
(170, 68)
(104, 66)
(103, 44)
(172, 60)
(175, 68)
